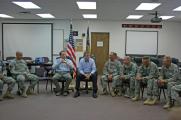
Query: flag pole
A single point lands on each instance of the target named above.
(88, 23)
(70, 20)
(88, 38)
(71, 23)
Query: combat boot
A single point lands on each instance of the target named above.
(8, 95)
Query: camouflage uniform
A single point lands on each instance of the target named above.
(129, 72)
(114, 68)
(170, 75)
(176, 88)
(4, 79)
(149, 74)
(20, 72)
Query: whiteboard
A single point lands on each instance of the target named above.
(142, 42)
(34, 40)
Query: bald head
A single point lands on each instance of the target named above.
(19, 55)
(167, 60)
(127, 60)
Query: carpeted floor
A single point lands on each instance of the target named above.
(47, 106)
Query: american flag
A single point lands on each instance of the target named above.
(71, 51)
(88, 41)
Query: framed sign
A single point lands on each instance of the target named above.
(100, 43)
(79, 45)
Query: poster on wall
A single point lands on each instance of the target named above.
(79, 45)
(65, 44)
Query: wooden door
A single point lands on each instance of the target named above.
(100, 49)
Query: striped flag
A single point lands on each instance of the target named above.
(88, 41)
(71, 51)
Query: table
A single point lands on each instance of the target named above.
(38, 64)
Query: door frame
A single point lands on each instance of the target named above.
(108, 44)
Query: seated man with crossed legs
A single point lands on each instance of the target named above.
(62, 67)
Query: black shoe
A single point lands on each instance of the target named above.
(57, 93)
(19, 92)
(77, 94)
(94, 95)
(65, 93)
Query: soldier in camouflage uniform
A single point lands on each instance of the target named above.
(111, 73)
(147, 73)
(176, 88)
(168, 76)
(129, 74)
(5, 80)
(20, 72)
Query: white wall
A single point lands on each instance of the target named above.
(169, 36)
(169, 39)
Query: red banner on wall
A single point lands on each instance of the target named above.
(141, 26)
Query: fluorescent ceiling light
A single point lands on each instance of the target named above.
(147, 6)
(87, 5)
(177, 9)
(166, 17)
(27, 5)
(47, 15)
(91, 16)
(5, 16)
(134, 16)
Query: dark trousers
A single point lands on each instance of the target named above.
(93, 78)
